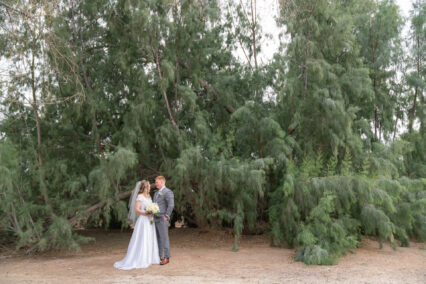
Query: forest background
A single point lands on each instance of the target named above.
(318, 146)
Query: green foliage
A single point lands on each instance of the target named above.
(106, 177)
(324, 217)
(219, 191)
(304, 147)
(378, 25)
(60, 236)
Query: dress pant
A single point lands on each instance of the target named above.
(162, 228)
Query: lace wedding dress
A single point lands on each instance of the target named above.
(143, 247)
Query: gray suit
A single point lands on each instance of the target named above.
(166, 202)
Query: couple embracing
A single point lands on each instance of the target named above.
(149, 243)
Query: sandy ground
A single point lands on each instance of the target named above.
(206, 257)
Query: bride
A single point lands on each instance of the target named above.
(143, 247)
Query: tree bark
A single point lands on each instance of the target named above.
(373, 60)
(395, 129)
(376, 116)
(253, 30)
(416, 90)
(35, 108)
(307, 55)
(37, 117)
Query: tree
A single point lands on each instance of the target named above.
(416, 78)
(128, 90)
(378, 26)
(325, 81)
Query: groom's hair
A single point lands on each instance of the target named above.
(161, 178)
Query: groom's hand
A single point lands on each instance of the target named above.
(165, 218)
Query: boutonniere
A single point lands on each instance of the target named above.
(160, 193)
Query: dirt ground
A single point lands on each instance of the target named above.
(206, 257)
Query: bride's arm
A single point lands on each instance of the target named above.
(137, 206)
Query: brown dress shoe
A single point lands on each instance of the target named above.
(164, 261)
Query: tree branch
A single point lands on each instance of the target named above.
(83, 215)
(7, 6)
(160, 74)
(207, 87)
(74, 221)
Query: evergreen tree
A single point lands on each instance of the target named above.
(101, 94)
(416, 78)
(378, 25)
(323, 78)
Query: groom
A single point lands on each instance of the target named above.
(165, 199)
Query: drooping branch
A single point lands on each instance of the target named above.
(86, 213)
(74, 221)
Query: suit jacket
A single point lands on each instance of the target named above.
(166, 203)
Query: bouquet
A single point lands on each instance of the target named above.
(152, 209)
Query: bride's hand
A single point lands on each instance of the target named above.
(150, 215)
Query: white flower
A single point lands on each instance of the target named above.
(152, 208)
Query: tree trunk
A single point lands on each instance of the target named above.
(97, 143)
(373, 60)
(35, 108)
(307, 55)
(253, 31)
(416, 90)
(395, 129)
(166, 101)
(376, 118)
(40, 157)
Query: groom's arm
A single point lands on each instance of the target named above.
(170, 198)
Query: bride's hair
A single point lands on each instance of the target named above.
(144, 186)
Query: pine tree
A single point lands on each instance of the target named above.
(128, 90)
(416, 78)
(378, 26)
(323, 64)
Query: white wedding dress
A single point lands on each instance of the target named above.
(143, 247)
